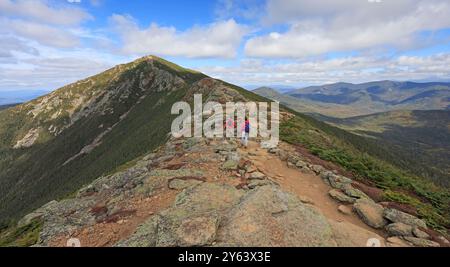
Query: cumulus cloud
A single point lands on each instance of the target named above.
(51, 72)
(41, 33)
(42, 12)
(10, 45)
(219, 39)
(321, 71)
(318, 26)
(39, 21)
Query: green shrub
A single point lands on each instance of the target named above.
(23, 236)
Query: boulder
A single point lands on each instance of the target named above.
(318, 169)
(338, 181)
(341, 197)
(399, 229)
(255, 183)
(270, 217)
(420, 234)
(355, 193)
(301, 164)
(370, 212)
(230, 165)
(257, 176)
(394, 215)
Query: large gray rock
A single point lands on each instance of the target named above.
(370, 212)
(318, 169)
(341, 197)
(257, 175)
(355, 193)
(420, 234)
(268, 216)
(338, 181)
(394, 215)
(230, 165)
(255, 183)
(399, 229)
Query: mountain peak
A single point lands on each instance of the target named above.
(166, 63)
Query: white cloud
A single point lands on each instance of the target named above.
(318, 26)
(42, 12)
(41, 33)
(322, 71)
(11, 45)
(219, 39)
(54, 68)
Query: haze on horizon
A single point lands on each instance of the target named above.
(46, 44)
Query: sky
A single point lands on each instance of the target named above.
(45, 44)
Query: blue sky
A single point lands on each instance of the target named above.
(45, 44)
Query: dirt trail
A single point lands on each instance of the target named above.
(301, 184)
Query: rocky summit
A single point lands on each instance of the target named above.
(95, 162)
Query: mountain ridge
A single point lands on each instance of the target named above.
(349, 100)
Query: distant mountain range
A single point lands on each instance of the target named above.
(412, 119)
(348, 100)
(19, 96)
(419, 139)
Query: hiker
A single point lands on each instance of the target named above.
(245, 132)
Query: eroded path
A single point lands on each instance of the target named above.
(306, 185)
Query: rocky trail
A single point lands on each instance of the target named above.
(200, 192)
(305, 184)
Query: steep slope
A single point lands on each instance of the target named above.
(132, 102)
(348, 100)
